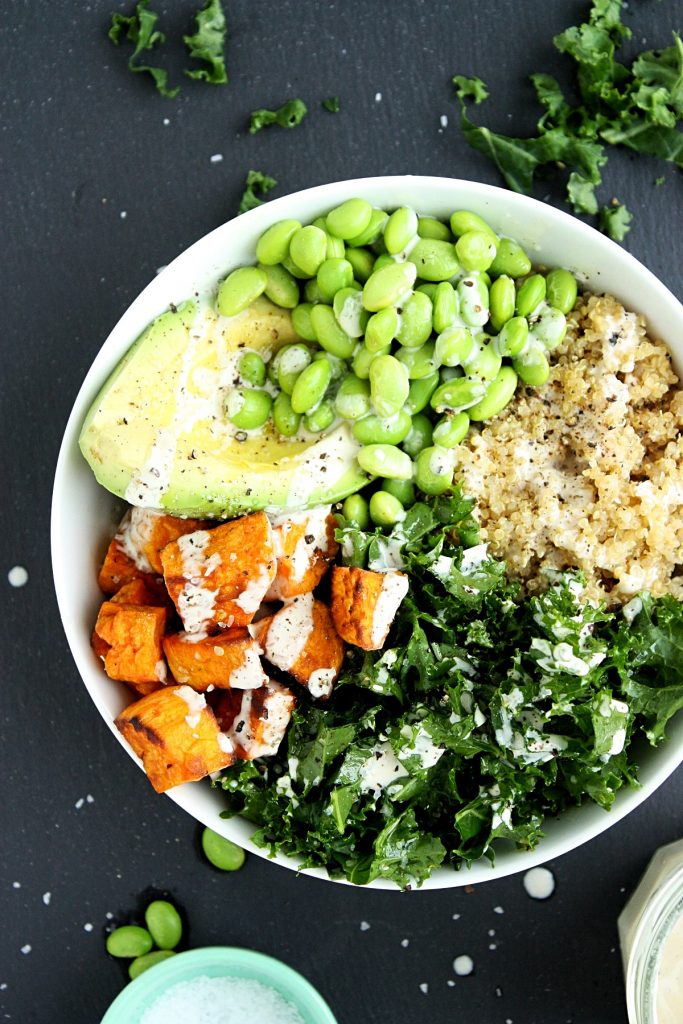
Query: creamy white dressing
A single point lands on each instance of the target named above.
(196, 602)
(134, 534)
(351, 316)
(388, 555)
(325, 461)
(380, 770)
(289, 631)
(255, 590)
(320, 682)
(314, 539)
(421, 745)
(271, 726)
(249, 675)
(473, 557)
(394, 589)
(196, 702)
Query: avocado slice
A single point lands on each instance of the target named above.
(157, 434)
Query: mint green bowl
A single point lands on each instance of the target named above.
(218, 962)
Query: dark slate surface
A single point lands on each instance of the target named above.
(85, 142)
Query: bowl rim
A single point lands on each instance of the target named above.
(136, 317)
(192, 963)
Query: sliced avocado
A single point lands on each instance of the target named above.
(157, 434)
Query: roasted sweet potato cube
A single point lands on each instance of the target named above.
(230, 660)
(99, 646)
(364, 604)
(260, 719)
(137, 591)
(176, 735)
(305, 545)
(133, 633)
(301, 639)
(218, 578)
(118, 569)
(134, 552)
(155, 531)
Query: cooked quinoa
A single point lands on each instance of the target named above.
(587, 471)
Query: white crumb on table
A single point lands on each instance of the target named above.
(26, 949)
(47, 896)
(17, 576)
(463, 965)
(424, 987)
(365, 926)
(539, 883)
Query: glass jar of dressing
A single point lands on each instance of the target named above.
(651, 937)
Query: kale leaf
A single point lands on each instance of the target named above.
(289, 115)
(256, 182)
(207, 44)
(140, 30)
(331, 104)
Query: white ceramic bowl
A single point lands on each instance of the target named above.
(84, 515)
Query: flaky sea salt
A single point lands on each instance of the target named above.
(207, 1000)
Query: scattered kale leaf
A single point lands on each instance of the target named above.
(139, 29)
(331, 104)
(207, 44)
(638, 107)
(257, 184)
(289, 115)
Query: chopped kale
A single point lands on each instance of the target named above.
(332, 104)
(289, 115)
(140, 30)
(257, 185)
(208, 44)
(615, 221)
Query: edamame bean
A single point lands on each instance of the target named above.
(312, 292)
(143, 963)
(420, 435)
(333, 274)
(427, 288)
(335, 247)
(419, 362)
(294, 269)
(248, 408)
(476, 250)
(348, 309)
(473, 296)
(301, 321)
(349, 219)
(374, 429)
(454, 346)
(308, 249)
(291, 360)
(363, 360)
(502, 297)
(415, 326)
(373, 231)
(282, 288)
(329, 334)
(434, 468)
(532, 366)
(549, 327)
(500, 391)
(129, 940)
(430, 227)
(355, 510)
(404, 490)
(285, 419)
(530, 294)
(463, 221)
(221, 852)
(240, 289)
(164, 924)
(510, 259)
(458, 395)
(420, 392)
(561, 290)
(385, 460)
(445, 306)
(338, 366)
(311, 385)
(320, 419)
(400, 229)
(362, 262)
(383, 260)
(352, 400)
(435, 260)
(388, 285)
(381, 329)
(385, 509)
(451, 430)
(252, 369)
(513, 337)
(389, 384)
(484, 362)
(273, 245)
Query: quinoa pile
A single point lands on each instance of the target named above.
(587, 471)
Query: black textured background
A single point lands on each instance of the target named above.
(83, 143)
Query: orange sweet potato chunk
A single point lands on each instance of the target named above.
(118, 570)
(218, 578)
(163, 530)
(255, 721)
(176, 736)
(364, 604)
(301, 639)
(133, 634)
(221, 662)
(305, 546)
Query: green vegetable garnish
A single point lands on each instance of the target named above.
(615, 221)
(289, 115)
(208, 44)
(483, 714)
(332, 104)
(139, 30)
(638, 106)
(256, 182)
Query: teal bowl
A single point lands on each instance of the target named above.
(218, 962)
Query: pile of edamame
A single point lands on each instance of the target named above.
(411, 329)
